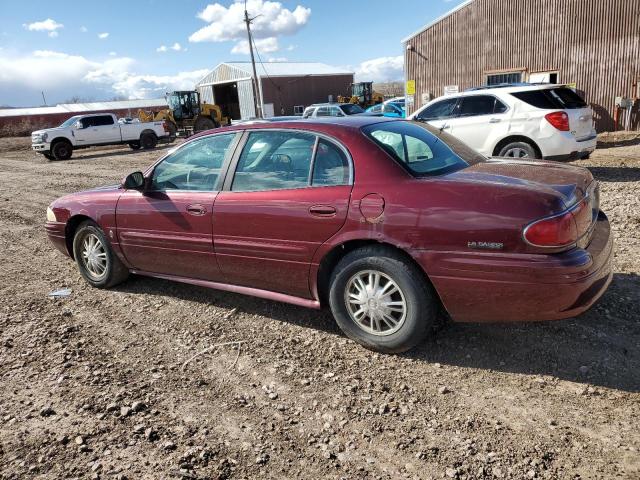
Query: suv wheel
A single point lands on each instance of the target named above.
(518, 150)
(381, 300)
(97, 262)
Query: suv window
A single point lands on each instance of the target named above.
(442, 109)
(330, 166)
(418, 149)
(480, 105)
(194, 166)
(274, 161)
(551, 98)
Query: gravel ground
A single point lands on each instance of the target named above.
(93, 385)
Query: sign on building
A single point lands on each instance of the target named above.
(451, 89)
(411, 87)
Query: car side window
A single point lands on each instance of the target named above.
(274, 161)
(103, 120)
(330, 166)
(308, 112)
(335, 112)
(442, 109)
(194, 166)
(475, 105)
(322, 112)
(88, 122)
(390, 108)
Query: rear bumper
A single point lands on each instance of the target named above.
(565, 147)
(494, 287)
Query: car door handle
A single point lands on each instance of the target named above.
(322, 210)
(494, 120)
(196, 209)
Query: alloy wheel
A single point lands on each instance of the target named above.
(375, 302)
(94, 256)
(517, 152)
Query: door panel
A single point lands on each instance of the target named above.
(168, 232)
(482, 120)
(267, 239)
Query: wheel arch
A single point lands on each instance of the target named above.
(147, 131)
(516, 138)
(70, 230)
(61, 139)
(332, 258)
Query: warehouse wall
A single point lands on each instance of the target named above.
(594, 43)
(287, 92)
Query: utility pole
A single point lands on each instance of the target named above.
(44, 99)
(256, 93)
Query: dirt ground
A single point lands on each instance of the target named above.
(92, 385)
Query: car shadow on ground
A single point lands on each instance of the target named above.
(80, 155)
(598, 348)
(619, 143)
(616, 174)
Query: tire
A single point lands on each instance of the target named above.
(518, 150)
(48, 156)
(134, 145)
(109, 270)
(62, 150)
(419, 302)
(148, 140)
(203, 123)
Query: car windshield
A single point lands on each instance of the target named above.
(351, 109)
(422, 149)
(70, 121)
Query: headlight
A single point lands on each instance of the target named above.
(51, 217)
(44, 137)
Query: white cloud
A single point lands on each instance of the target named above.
(84, 29)
(176, 47)
(277, 59)
(62, 76)
(102, 36)
(271, 20)
(264, 45)
(383, 69)
(48, 25)
(112, 54)
(53, 34)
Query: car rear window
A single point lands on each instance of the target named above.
(551, 98)
(421, 149)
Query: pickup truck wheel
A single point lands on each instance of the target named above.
(134, 145)
(48, 156)
(203, 123)
(62, 150)
(148, 140)
(97, 262)
(381, 300)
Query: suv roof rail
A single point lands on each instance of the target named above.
(506, 85)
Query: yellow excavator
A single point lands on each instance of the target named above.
(362, 94)
(186, 114)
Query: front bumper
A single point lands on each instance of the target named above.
(495, 287)
(41, 147)
(56, 233)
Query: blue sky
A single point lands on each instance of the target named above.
(142, 48)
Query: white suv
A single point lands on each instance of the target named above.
(535, 121)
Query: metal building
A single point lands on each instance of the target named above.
(593, 45)
(285, 88)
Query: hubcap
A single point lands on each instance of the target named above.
(517, 153)
(94, 256)
(375, 302)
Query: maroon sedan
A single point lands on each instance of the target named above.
(382, 220)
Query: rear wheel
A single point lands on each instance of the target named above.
(518, 150)
(97, 262)
(62, 150)
(381, 300)
(203, 123)
(148, 140)
(134, 145)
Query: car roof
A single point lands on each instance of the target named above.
(509, 88)
(330, 104)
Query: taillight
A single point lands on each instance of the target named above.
(165, 126)
(560, 230)
(559, 120)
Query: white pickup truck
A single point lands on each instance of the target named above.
(84, 131)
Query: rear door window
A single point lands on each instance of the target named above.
(474, 105)
(442, 109)
(104, 120)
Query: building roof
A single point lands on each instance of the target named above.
(84, 107)
(437, 20)
(290, 69)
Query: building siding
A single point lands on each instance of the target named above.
(592, 43)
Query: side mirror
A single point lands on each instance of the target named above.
(134, 181)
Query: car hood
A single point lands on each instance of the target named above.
(567, 181)
(47, 130)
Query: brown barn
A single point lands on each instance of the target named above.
(594, 45)
(285, 88)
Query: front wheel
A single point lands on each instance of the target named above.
(62, 150)
(97, 262)
(381, 300)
